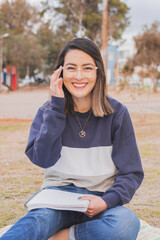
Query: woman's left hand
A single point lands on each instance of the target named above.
(96, 205)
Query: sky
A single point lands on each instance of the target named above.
(142, 12)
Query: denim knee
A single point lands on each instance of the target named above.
(124, 226)
(46, 221)
(36, 224)
(118, 223)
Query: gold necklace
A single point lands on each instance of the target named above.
(82, 133)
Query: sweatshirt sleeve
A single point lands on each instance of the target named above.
(126, 158)
(44, 143)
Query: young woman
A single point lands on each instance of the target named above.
(86, 142)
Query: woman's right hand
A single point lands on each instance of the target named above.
(56, 84)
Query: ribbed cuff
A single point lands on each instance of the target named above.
(72, 233)
(58, 104)
(112, 199)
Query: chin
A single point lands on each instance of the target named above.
(80, 94)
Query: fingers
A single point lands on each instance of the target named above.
(56, 74)
(91, 199)
(90, 215)
(56, 83)
(87, 197)
(90, 209)
(96, 205)
(90, 212)
(59, 83)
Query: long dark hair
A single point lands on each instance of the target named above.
(100, 104)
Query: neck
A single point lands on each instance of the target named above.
(82, 105)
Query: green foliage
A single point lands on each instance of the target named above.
(17, 16)
(84, 18)
(118, 18)
(24, 51)
(52, 42)
(22, 48)
(36, 37)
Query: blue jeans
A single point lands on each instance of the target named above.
(118, 223)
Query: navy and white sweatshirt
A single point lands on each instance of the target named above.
(105, 160)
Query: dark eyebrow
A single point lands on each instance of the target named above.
(71, 64)
(88, 64)
(85, 64)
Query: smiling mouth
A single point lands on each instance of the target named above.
(79, 85)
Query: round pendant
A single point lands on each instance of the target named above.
(82, 134)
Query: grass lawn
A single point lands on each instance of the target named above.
(20, 179)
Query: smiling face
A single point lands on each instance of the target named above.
(79, 75)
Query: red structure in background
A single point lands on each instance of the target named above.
(11, 77)
(8, 69)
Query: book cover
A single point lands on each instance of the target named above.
(57, 199)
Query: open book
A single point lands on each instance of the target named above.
(57, 199)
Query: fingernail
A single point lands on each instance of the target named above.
(58, 69)
(79, 197)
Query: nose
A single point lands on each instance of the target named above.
(79, 74)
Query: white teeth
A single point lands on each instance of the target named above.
(79, 85)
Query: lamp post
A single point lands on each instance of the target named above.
(1, 57)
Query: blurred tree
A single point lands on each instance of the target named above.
(128, 68)
(84, 17)
(148, 51)
(52, 42)
(18, 16)
(118, 18)
(22, 48)
(24, 51)
(36, 37)
(126, 72)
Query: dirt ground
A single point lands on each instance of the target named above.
(19, 178)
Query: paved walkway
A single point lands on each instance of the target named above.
(23, 104)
